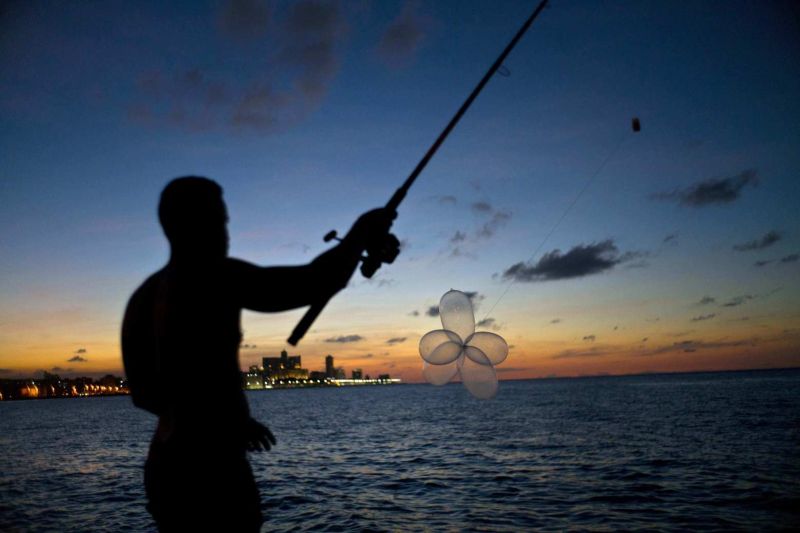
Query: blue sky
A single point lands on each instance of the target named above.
(310, 113)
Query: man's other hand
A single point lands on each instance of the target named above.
(258, 436)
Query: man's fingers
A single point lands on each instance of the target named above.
(270, 436)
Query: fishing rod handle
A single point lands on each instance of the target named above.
(302, 327)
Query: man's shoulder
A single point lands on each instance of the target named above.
(147, 290)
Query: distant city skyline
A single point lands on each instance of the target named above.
(682, 253)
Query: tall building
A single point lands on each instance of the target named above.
(357, 373)
(330, 371)
(284, 367)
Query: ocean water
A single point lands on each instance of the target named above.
(711, 451)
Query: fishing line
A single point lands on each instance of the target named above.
(575, 200)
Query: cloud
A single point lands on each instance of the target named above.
(245, 19)
(481, 207)
(458, 237)
(595, 351)
(712, 191)
(504, 369)
(645, 339)
(703, 317)
(738, 300)
(59, 369)
(6, 370)
(762, 263)
(671, 238)
(582, 260)
(433, 310)
(269, 92)
(790, 258)
(402, 39)
(475, 297)
(414, 313)
(396, 340)
(705, 300)
(691, 346)
(447, 199)
(770, 238)
(488, 323)
(80, 350)
(498, 220)
(556, 321)
(345, 338)
(248, 346)
(590, 338)
(77, 359)
(457, 251)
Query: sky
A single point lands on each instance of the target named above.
(590, 248)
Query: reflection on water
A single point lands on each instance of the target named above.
(674, 452)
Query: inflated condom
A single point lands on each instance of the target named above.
(458, 349)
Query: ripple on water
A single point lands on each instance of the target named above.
(705, 451)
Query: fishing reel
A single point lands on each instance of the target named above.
(383, 248)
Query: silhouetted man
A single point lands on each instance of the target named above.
(180, 340)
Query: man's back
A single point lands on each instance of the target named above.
(180, 340)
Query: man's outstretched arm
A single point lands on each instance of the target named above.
(270, 289)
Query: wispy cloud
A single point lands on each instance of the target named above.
(245, 19)
(489, 228)
(703, 317)
(790, 258)
(281, 88)
(77, 359)
(690, 346)
(488, 323)
(404, 37)
(481, 207)
(706, 300)
(590, 338)
(458, 237)
(595, 351)
(738, 300)
(396, 340)
(712, 191)
(770, 238)
(432, 310)
(345, 338)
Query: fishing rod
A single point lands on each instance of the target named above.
(372, 261)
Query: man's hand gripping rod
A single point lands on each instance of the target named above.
(370, 264)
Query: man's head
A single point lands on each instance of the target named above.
(194, 217)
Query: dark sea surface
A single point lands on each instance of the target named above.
(711, 451)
